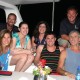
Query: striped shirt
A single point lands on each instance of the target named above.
(52, 58)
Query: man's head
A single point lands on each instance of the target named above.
(50, 38)
(72, 14)
(74, 37)
(11, 19)
(62, 42)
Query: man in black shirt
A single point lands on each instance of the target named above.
(70, 23)
(11, 20)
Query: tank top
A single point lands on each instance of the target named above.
(18, 45)
(52, 58)
(38, 42)
(72, 61)
(4, 58)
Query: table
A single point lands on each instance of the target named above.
(29, 76)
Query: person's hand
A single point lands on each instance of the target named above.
(29, 51)
(42, 62)
(14, 51)
(39, 64)
(70, 75)
(33, 49)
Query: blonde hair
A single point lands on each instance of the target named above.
(75, 31)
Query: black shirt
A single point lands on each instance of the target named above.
(4, 26)
(66, 27)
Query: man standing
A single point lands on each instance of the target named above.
(11, 20)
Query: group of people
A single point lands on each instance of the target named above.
(17, 44)
(70, 34)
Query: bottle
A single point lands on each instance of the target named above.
(78, 73)
(42, 77)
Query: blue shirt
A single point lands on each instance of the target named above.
(18, 44)
(4, 58)
(72, 61)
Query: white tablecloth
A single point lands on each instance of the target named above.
(29, 76)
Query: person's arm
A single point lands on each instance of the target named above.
(32, 40)
(33, 44)
(64, 36)
(63, 30)
(38, 54)
(61, 48)
(29, 45)
(61, 62)
(15, 50)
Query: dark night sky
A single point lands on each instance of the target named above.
(33, 13)
(60, 11)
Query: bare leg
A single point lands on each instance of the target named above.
(19, 61)
(28, 63)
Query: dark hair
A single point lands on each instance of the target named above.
(36, 31)
(50, 33)
(21, 23)
(72, 8)
(12, 14)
